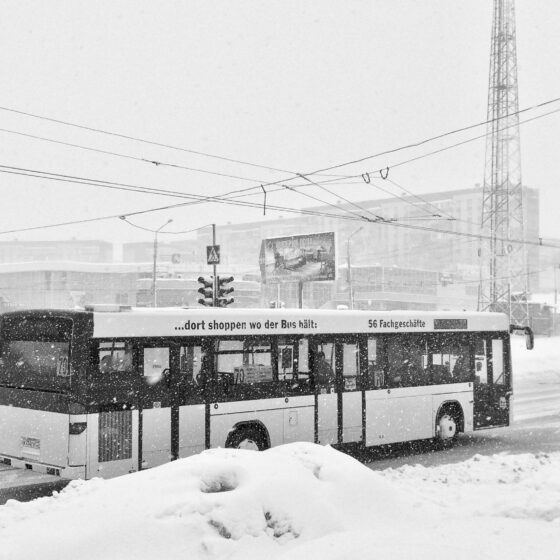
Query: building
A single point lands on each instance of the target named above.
(183, 292)
(433, 234)
(72, 250)
(183, 254)
(63, 285)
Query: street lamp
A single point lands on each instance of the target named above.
(350, 287)
(154, 292)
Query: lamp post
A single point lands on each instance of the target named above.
(350, 286)
(555, 310)
(154, 291)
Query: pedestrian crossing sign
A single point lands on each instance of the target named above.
(213, 254)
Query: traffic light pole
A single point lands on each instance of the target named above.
(215, 278)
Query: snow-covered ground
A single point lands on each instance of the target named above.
(303, 501)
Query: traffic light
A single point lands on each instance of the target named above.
(223, 291)
(207, 291)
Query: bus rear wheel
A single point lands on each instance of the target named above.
(447, 428)
(247, 438)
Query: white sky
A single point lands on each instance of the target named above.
(296, 85)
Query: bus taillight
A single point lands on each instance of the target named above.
(76, 428)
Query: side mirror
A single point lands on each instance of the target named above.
(529, 336)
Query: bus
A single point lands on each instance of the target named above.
(111, 390)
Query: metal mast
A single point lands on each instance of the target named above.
(503, 270)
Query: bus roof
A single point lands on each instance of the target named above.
(157, 322)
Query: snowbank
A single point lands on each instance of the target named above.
(298, 501)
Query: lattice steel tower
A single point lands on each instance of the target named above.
(503, 270)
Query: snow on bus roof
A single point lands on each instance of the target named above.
(138, 322)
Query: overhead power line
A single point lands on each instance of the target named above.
(232, 200)
(295, 175)
(128, 156)
(142, 140)
(430, 139)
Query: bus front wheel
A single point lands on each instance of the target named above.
(247, 438)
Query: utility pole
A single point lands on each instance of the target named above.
(214, 268)
(349, 263)
(154, 271)
(503, 263)
(555, 310)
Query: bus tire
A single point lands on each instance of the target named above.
(448, 425)
(247, 437)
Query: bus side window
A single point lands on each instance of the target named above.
(190, 364)
(286, 359)
(324, 365)
(449, 359)
(405, 355)
(115, 357)
(376, 376)
(302, 366)
(498, 371)
(481, 366)
(244, 361)
(351, 373)
(156, 363)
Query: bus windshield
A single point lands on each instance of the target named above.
(40, 358)
(36, 347)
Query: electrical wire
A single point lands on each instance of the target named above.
(437, 137)
(127, 221)
(232, 201)
(222, 200)
(408, 146)
(130, 157)
(136, 139)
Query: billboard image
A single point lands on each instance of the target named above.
(307, 258)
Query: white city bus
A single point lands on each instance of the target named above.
(103, 392)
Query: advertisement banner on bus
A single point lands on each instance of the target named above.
(309, 258)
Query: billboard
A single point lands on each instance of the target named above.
(307, 258)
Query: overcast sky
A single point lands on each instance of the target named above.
(296, 86)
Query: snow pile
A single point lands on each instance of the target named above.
(298, 501)
(218, 503)
(522, 486)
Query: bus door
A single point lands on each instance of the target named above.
(336, 372)
(350, 391)
(492, 382)
(188, 408)
(323, 365)
(155, 400)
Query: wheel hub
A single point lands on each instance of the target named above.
(447, 427)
